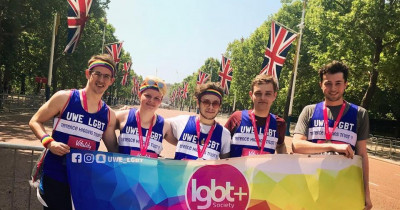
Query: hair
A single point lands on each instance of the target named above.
(264, 79)
(201, 90)
(158, 80)
(106, 58)
(333, 68)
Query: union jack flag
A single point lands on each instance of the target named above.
(225, 75)
(185, 90)
(115, 50)
(278, 47)
(77, 16)
(173, 96)
(202, 77)
(127, 67)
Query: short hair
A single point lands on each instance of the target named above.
(162, 90)
(106, 58)
(202, 90)
(333, 68)
(264, 79)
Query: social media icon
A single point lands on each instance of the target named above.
(100, 158)
(88, 158)
(76, 157)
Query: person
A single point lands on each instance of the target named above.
(81, 120)
(248, 127)
(142, 131)
(348, 123)
(201, 137)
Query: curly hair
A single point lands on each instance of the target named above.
(333, 68)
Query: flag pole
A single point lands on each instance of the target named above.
(50, 74)
(301, 26)
(104, 35)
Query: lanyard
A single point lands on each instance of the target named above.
(253, 122)
(143, 148)
(85, 104)
(329, 132)
(201, 152)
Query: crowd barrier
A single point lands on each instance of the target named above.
(16, 167)
(384, 146)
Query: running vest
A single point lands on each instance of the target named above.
(345, 132)
(77, 128)
(187, 144)
(128, 140)
(244, 136)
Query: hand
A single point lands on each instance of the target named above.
(368, 203)
(58, 148)
(344, 149)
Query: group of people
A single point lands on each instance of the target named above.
(82, 119)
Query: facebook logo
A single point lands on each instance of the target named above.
(76, 157)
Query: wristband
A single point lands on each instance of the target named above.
(46, 139)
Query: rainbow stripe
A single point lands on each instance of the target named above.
(97, 63)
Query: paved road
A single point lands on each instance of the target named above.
(384, 175)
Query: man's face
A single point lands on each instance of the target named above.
(263, 96)
(333, 86)
(150, 99)
(100, 78)
(209, 106)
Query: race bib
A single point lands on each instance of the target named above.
(81, 143)
(148, 154)
(251, 152)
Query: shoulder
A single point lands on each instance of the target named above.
(279, 120)
(122, 114)
(180, 119)
(60, 97)
(235, 117)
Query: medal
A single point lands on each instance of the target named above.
(143, 148)
(266, 128)
(328, 131)
(201, 152)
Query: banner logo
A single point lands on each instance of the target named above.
(88, 158)
(100, 158)
(208, 188)
(76, 157)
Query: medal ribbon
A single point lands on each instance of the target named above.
(253, 122)
(201, 152)
(328, 132)
(85, 104)
(143, 148)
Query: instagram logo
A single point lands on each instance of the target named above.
(217, 187)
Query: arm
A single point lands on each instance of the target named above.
(226, 144)
(109, 137)
(45, 113)
(361, 149)
(168, 135)
(281, 146)
(302, 146)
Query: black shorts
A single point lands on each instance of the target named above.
(56, 194)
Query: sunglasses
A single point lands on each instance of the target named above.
(151, 82)
(214, 104)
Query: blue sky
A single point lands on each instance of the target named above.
(173, 38)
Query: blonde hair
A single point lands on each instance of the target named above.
(162, 90)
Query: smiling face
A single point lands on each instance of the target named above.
(333, 87)
(150, 100)
(263, 96)
(99, 79)
(209, 106)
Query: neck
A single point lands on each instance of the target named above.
(145, 116)
(92, 97)
(263, 113)
(334, 103)
(206, 121)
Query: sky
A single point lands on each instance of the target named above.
(172, 39)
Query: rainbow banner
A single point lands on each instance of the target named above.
(101, 180)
